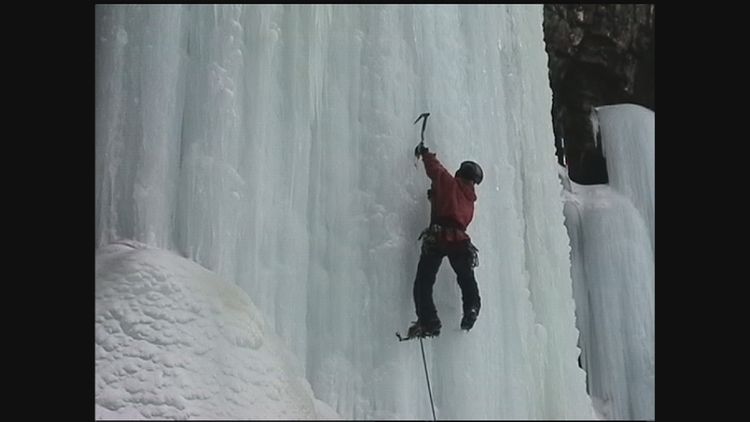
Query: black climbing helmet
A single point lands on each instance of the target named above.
(470, 170)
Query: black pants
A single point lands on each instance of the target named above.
(461, 258)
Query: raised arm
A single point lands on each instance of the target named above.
(433, 167)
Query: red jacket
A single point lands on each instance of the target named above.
(452, 198)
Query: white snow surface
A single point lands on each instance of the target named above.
(273, 145)
(174, 341)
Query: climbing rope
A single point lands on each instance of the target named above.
(424, 361)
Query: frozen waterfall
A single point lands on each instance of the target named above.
(272, 144)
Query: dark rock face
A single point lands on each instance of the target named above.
(598, 55)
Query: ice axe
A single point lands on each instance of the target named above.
(424, 125)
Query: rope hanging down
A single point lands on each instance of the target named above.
(424, 361)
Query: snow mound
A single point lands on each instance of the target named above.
(172, 340)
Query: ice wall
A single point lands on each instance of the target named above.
(630, 155)
(611, 230)
(273, 144)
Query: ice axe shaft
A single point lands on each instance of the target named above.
(424, 123)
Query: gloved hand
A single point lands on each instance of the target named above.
(420, 149)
